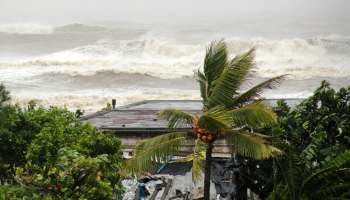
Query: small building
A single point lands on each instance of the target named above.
(135, 122)
(138, 121)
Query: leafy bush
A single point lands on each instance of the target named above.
(74, 159)
(54, 155)
(17, 192)
(322, 120)
(24, 126)
(312, 135)
(20, 127)
(315, 139)
(74, 176)
(8, 141)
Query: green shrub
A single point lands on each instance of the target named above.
(323, 118)
(74, 176)
(70, 158)
(4, 95)
(19, 127)
(315, 137)
(17, 192)
(49, 154)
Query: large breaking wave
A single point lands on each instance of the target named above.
(82, 65)
(164, 58)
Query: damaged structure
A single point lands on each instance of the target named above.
(138, 121)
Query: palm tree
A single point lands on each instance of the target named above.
(226, 114)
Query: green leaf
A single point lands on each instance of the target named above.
(176, 118)
(255, 115)
(252, 145)
(197, 158)
(336, 190)
(203, 86)
(216, 118)
(331, 171)
(223, 89)
(340, 160)
(255, 92)
(155, 150)
(215, 60)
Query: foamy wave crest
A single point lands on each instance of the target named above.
(164, 58)
(26, 28)
(301, 58)
(94, 100)
(159, 58)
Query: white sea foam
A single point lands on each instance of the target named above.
(92, 100)
(301, 58)
(90, 74)
(158, 58)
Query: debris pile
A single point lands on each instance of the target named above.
(173, 181)
(155, 187)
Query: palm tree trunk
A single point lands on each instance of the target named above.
(207, 172)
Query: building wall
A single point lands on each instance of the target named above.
(130, 139)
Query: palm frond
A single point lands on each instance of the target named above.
(326, 176)
(176, 118)
(216, 118)
(155, 150)
(331, 169)
(335, 190)
(339, 161)
(255, 115)
(311, 151)
(290, 174)
(226, 85)
(252, 145)
(215, 60)
(255, 92)
(197, 158)
(203, 86)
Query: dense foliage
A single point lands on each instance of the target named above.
(47, 153)
(322, 119)
(315, 138)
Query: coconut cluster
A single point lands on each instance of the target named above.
(203, 134)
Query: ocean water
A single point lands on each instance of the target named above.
(85, 66)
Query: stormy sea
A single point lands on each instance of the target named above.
(84, 66)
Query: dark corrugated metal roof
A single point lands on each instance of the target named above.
(142, 116)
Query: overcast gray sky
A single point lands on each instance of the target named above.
(62, 11)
